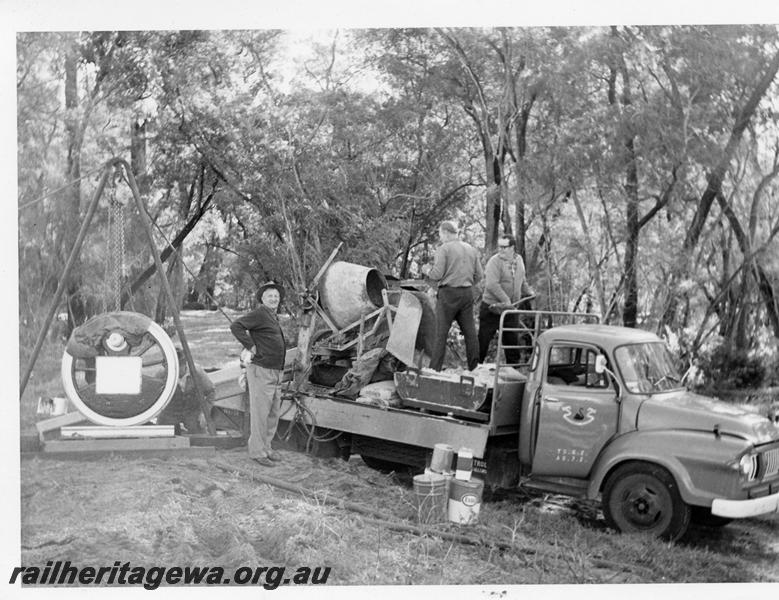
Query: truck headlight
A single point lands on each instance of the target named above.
(747, 466)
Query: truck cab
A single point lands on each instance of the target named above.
(605, 414)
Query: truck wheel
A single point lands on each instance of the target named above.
(644, 498)
(701, 515)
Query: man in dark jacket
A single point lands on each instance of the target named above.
(260, 334)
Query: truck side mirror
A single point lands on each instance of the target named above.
(601, 368)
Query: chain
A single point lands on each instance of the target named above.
(116, 243)
(122, 267)
(107, 275)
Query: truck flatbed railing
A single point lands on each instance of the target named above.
(527, 326)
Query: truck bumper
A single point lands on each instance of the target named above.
(739, 509)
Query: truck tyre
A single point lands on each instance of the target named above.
(644, 498)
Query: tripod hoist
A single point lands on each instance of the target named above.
(120, 368)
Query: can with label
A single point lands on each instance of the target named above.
(465, 501)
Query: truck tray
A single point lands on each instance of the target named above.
(442, 392)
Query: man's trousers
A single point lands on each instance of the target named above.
(264, 408)
(455, 304)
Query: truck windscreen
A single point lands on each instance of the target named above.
(648, 368)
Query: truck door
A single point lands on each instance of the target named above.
(577, 412)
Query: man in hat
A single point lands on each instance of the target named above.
(260, 334)
(505, 285)
(456, 269)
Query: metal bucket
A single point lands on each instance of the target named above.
(441, 462)
(431, 493)
(348, 291)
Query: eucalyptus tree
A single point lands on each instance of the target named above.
(720, 81)
(652, 125)
(436, 164)
(65, 83)
(496, 75)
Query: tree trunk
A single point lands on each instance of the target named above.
(630, 309)
(138, 154)
(630, 312)
(175, 243)
(492, 214)
(520, 138)
(593, 262)
(754, 269)
(176, 286)
(768, 292)
(77, 311)
(406, 254)
(475, 106)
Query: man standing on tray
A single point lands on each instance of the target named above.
(457, 270)
(504, 285)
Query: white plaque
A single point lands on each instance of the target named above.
(118, 374)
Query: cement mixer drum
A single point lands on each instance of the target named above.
(348, 291)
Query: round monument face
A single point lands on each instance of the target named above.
(119, 369)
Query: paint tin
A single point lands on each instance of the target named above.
(430, 491)
(464, 464)
(443, 454)
(465, 501)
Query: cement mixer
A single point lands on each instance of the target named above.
(351, 309)
(349, 292)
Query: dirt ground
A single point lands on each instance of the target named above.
(205, 511)
(208, 510)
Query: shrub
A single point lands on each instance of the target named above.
(730, 367)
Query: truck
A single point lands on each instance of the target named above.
(596, 411)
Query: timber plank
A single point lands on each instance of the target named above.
(110, 432)
(115, 445)
(198, 452)
(60, 421)
(217, 441)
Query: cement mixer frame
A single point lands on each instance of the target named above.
(337, 340)
(344, 307)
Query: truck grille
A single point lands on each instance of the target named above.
(770, 463)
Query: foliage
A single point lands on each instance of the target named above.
(637, 165)
(729, 367)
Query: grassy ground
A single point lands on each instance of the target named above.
(189, 511)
